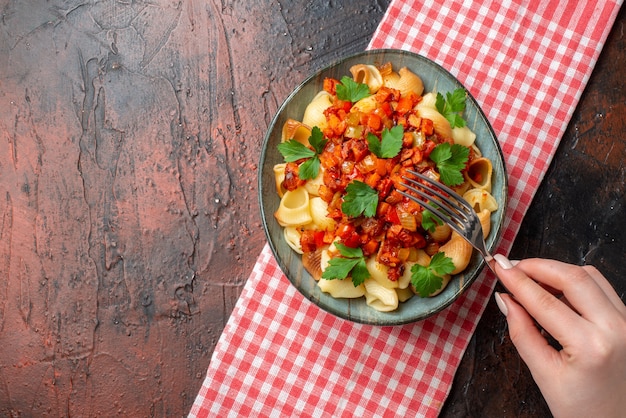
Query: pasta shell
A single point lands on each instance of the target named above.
(479, 173)
(380, 297)
(404, 281)
(314, 112)
(463, 136)
(292, 237)
(485, 221)
(313, 186)
(462, 188)
(367, 74)
(319, 210)
(441, 124)
(481, 199)
(294, 208)
(459, 250)
(293, 129)
(404, 294)
(341, 288)
(366, 105)
(279, 176)
(391, 79)
(441, 233)
(477, 152)
(428, 100)
(378, 272)
(312, 262)
(407, 82)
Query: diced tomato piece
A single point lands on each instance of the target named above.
(344, 230)
(381, 167)
(384, 94)
(428, 147)
(417, 157)
(427, 127)
(370, 247)
(343, 105)
(353, 241)
(392, 216)
(292, 180)
(395, 272)
(319, 238)
(307, 241)
(372, 180)
(394, 197)
(384, 187)
(386, 108)
(407, 140)
(359, 150)
(405, 104)
(374, 122)
(330, 86)
(382, 209)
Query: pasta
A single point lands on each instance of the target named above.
(339, 186)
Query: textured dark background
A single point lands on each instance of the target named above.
(129, 139)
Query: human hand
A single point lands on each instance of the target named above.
(587, 377)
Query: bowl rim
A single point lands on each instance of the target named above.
(497, 227)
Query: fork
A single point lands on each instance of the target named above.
(450, 208)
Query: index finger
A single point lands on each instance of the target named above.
(581, 290)
(551, 313)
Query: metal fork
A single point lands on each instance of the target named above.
(450, 208)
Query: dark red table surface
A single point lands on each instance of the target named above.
(129, 139)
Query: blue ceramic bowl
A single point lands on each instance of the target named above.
(416, 308)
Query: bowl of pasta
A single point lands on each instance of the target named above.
(331, 175)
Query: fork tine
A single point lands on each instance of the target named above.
(450, 207)
(437, 185)
(453, 223)
(452, 220)
(463, 219)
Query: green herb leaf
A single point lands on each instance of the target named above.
(349, 252)
(339, 268)
(427, 280)
(452, 106)
(351, 91)
(351, 262)
(293, 150)
(317, 140)
(360, 199)
(310, 168)
(450, 160)
(391, 142)
(429, 220)
(360, 272)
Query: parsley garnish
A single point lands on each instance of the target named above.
(293, 150)
(452, 106)
(429, 220)
(360, 199)
(450, 160)
(351, 261)
(427, 280)
(391, 142)
(351, 91)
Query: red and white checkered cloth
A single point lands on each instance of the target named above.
(526, 63)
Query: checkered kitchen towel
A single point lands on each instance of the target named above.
(526, 63)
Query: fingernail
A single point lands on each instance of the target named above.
(503, 262)
(501, 304)
(515, 262)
